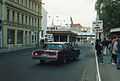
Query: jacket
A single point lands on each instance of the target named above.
(115, 49)
(118, 46)
(98, 48)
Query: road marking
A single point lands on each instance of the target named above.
(26, 53)
(84, 74)
(97, 66)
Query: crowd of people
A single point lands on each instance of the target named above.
(114, 50)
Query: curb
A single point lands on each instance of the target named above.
(6, 50)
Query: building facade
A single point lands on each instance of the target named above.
(21, 22)
(44, 23)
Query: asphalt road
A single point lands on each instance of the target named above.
(19, 66)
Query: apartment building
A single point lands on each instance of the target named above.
(21, 23)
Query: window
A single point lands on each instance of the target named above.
(32, 21)
(32, 5)
(10, 36)
(55, 46)
(8, 14)
(35, 7)
(35, 38)
(17, 1)
(26, 2)
(22, 18)
(35, 22)
(26, 20)
(29, 3)
(19, 37)
(17, 17)
(29, 20)
(13, 16)
(38, 23)
(32, 38)
(22, 2)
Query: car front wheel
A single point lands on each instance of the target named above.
(76, 58)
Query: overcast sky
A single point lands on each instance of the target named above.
(81, 11)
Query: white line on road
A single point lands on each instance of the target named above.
(26, 53)
(98, 71)
(84, 74)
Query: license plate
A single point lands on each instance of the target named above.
(44, 55)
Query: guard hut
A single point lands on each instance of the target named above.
(64, 36)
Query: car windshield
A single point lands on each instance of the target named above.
(53, 46)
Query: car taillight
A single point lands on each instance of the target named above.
(56, 55)
(32, 53)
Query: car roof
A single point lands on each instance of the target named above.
(57, 42)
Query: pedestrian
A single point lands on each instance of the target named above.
(98, 48)
(105, 44)
(110, 47)
(115, 51)
(118, 56)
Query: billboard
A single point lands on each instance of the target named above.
(97, 26)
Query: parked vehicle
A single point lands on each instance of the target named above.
(57, 51)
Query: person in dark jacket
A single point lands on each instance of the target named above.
(98, 48)
(118, 56)
(105, 45)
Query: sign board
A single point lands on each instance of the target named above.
(97, 26)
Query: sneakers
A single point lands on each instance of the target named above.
(101, 63)
(118, 68)
(113, 63)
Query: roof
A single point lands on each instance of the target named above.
(115, 30)
(61, 32)
(76, 25)
(86, 33)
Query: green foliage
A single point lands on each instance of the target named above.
(109, 13)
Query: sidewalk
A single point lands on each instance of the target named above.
(5, 50)
(108, 72)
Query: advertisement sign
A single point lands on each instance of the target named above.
(97, 26)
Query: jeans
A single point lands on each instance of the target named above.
(111, 55)
(104, 50)
(100, 58)
(118, 61)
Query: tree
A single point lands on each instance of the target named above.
(109, 13)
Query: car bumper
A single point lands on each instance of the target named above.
(44, 58)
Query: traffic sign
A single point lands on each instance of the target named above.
(97, 26)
